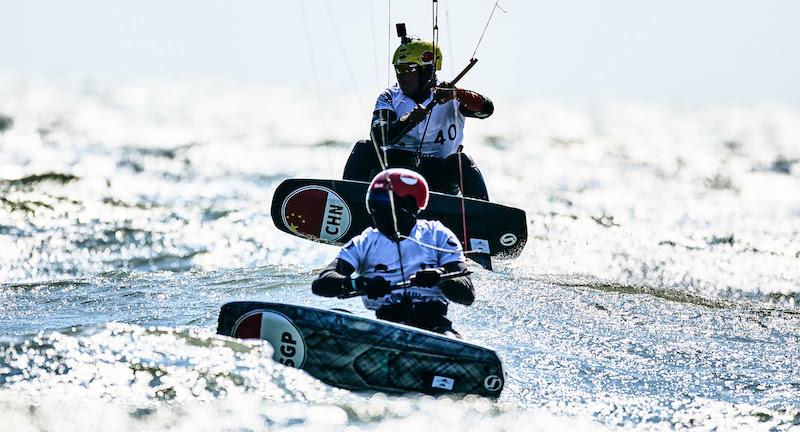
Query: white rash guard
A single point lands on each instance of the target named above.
(445, 124)
(373, 254)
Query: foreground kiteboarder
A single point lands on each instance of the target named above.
(419, 124)
(401, 247)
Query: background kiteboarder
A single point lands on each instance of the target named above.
(409, 131)
(398, 248)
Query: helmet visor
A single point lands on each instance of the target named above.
(378, 201)
(405, 68)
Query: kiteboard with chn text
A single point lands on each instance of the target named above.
(316, 212)
(334, 211)
(358, 353)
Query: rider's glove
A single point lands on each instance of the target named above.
(444, 93)
(372, 287)
(426, 277)
(416, 115)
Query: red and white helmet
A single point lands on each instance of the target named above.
(401, 181)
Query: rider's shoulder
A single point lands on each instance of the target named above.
(368, 232)
(437, 233)
(368, 235)
(390, 96)
(393, 92)
(431, 225)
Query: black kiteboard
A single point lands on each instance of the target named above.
(334, 211)
(358, 353)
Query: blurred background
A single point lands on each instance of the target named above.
(677, 52)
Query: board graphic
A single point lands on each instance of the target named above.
(333, 211)
(359, 353)
(316, 212)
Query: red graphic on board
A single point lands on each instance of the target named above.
(249, 327)
(303, 211)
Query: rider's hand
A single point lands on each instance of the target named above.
(444, 93)
(372, 287)
(427, 277)
(416, 115)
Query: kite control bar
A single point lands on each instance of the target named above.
(405, 284)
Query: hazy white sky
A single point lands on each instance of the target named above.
(676, 51)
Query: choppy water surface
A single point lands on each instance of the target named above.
(657, 291)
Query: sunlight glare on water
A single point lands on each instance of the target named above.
(657, 290)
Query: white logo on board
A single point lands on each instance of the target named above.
(508, 239)
(493, 383)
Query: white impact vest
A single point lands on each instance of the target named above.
(445, 124)
(373, 254)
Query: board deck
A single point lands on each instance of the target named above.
(358, 353)
(334, 211)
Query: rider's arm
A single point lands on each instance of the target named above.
(387, 128)
(458, 289)
(473, 104)
(334, 279)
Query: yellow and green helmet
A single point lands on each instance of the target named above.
(419, 52)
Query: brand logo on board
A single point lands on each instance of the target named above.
(508, 239)
(493, 383)
(278, 330)
(317, 212)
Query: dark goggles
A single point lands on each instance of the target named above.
(402, 69)
(378, 200)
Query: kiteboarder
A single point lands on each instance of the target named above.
(405, 134)
(401, 247)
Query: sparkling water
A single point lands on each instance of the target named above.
(657, 290)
